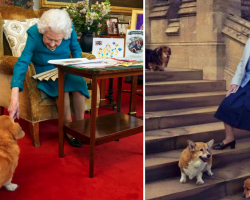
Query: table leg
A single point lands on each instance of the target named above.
(92, 127)
(61, 111)
(119, 94)
(102, 92)
(133, 96)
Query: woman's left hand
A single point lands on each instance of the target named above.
(232, 88)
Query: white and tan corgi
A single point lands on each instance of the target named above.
(196, 159)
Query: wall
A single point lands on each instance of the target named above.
(199, 42)
(36, 4)
(236, 31)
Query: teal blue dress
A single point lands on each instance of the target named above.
(36, 52)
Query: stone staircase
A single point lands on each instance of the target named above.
(180, 106)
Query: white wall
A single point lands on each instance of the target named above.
(36, 4)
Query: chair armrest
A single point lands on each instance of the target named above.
(7, 64)
(30, 97)
(88, 55)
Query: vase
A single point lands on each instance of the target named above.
(86, 42)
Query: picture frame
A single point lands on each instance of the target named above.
(134, 44)
(111, 26)
(122, 28)
(116, 6)
(137, 20)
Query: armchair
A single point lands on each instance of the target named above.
(34, 108)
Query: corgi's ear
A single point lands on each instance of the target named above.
(210, 143)
(191, 145)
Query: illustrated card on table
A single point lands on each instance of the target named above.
(108, 47)
(134, 44)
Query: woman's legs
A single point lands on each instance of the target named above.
(229, 134)
(78, 105)
(228, 141)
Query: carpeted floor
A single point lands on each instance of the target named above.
(42, 175)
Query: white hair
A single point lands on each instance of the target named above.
(55, 20)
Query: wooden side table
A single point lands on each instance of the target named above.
(99, 130)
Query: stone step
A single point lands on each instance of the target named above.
(181, 101)
(226, 180)
(233, 197)
(181, 117)
(174, 74)
(178, 87)
(176, 138)
(165, 165)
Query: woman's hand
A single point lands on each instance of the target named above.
(232, 88)
(14, 103)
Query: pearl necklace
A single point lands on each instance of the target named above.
(53, 49)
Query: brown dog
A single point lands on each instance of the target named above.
(246, 186)
(9, 150)
(157, 60)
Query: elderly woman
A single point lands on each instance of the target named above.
(53, 37)
(234, 111)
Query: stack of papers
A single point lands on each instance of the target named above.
(82, 62)
(74, 61)
(93, 65)
(96, 63)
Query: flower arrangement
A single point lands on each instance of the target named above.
(87, 17)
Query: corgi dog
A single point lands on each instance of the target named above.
(196, 159)
(246, 186)
(9, 150)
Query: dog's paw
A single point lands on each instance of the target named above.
(183, 180)
(11, 187)
(210, 173)
(200, 182)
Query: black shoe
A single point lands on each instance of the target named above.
(73, 141)
(221, 145)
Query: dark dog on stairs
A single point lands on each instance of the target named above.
(157, 59)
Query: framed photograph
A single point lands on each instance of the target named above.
(134, 44)
(137, 20)
(122, 28)
(112, 26)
